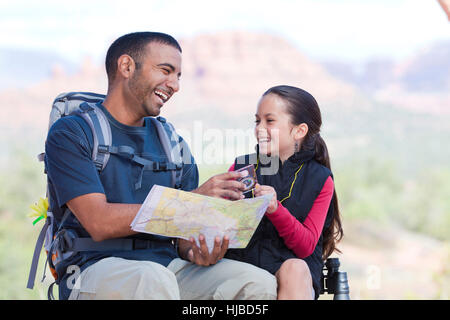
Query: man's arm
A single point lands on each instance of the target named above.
(76, 182)
(101, 219)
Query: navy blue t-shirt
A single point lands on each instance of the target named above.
(72, 173)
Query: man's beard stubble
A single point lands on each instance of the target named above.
(142, 94)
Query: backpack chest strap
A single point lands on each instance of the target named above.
(129, 153)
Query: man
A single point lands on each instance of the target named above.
(143, 71)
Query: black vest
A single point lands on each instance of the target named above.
(266, 248)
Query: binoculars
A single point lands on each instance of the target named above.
(335, 282)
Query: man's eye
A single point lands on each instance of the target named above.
(270, 120)
(257, 121)
(166, 71)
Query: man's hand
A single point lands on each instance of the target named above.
(224, 186)
(262, 190)
(200, 255)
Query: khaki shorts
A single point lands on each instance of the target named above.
(117, 278)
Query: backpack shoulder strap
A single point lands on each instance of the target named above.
(36, 254)
(170, 142)
(101, 131)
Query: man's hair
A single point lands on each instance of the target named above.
(133, 44)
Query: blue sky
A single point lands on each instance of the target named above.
(346, 29)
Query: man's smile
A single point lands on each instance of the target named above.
(163, 95)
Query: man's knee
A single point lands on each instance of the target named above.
(261, 284)
(154, 281)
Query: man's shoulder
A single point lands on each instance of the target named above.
(71, 124)
(70, 130)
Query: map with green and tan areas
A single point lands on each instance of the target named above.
(177, 213)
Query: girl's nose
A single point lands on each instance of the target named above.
(261, 132)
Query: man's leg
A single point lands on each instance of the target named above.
(226, 280)
(117, 278)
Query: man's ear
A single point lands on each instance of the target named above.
(300, 131)
(125, 66)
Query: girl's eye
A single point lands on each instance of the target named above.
(257, 121)
(270, 120)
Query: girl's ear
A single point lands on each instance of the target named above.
(301, 131)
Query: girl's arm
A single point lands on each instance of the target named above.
(303, 238)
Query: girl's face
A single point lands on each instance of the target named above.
(274, 131)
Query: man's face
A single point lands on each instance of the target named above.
(156, 79)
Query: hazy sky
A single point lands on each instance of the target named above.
(347, 29)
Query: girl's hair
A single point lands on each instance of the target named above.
(303, 108)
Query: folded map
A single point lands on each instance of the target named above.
(181, 214)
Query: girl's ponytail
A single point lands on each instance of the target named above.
(321, 151)
(334, 232)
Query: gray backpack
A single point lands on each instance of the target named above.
(57, 239)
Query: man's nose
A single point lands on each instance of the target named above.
(174, 84)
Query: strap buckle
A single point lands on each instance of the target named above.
(103, 148)
(159, 166)
(98, 165)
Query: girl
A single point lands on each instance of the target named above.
(302, 223)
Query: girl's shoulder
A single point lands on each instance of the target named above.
(319, 170)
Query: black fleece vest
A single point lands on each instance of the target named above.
(266, 249)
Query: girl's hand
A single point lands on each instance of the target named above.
(262, 190)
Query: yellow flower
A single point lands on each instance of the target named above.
(39, 210)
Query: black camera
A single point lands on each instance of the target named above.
(334, 281)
